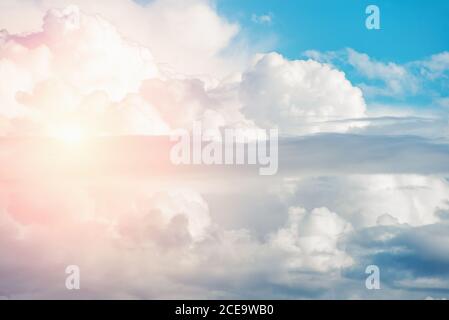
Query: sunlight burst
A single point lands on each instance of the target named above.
(68, 133)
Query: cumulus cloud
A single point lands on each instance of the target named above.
(397, 223)
(299, 96)
(312, 240)
(139, 231)
(160, 242)
(375, 199)
(79, 67)
(165, 243)
(76, 59)
(157, 25)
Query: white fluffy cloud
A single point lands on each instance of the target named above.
(84, 52)
(56, 74)
(80, 69)
(188, 36)
(312, 238)
(161, 242)
(372, 199)
(299, 96)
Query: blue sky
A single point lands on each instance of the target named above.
(410, 30)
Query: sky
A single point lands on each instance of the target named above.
(409, 31)
(92, 91)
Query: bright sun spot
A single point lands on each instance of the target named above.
(68, 133)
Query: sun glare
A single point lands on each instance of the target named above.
(68, 133)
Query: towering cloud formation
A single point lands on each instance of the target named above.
(299, 96)
(185, 36)
(86, 69)
(80, 67)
